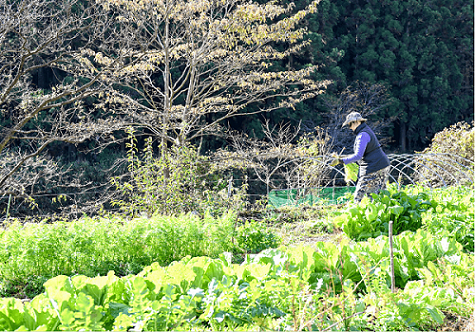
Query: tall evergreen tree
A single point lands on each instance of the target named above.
(421, 50)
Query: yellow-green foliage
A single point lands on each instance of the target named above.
(351, 172)
(457, 139)
(450, 157)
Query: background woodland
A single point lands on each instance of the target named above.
(213, 78)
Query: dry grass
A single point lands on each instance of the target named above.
(458, 323)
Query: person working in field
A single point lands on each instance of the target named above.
(373, 162)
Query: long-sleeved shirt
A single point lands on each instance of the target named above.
(361, 141)
(367, 151)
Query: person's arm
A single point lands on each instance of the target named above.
(362, 140)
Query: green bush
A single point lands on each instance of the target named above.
(457, 139)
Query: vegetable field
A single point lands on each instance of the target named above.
(208, 273)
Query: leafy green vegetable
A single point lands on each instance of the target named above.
(266, 291)
(253, 237)
(351, 172)
(32, 253)
(282, 289)
(371, 217)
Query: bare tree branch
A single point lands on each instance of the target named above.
(209, 61)
(363, 98)
(51, 60)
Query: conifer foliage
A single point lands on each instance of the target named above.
(421, 51)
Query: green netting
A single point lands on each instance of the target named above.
(310, 196)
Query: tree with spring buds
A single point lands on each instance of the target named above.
(205, 61)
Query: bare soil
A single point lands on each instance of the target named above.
(457, 323)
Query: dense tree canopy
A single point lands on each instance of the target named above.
(422, 51)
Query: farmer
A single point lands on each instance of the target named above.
(374, 164)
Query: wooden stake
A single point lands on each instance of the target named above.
(393, 287)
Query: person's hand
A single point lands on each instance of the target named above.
(336, 160)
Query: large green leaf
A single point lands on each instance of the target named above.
(11, 314)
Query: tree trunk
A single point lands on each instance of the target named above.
(391, 257)
(402, 136)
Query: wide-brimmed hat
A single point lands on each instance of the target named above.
(353, 116)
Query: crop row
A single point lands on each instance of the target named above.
(448, 211)
(32, 253)
(331, 286)
(186, 286)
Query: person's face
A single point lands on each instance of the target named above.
(353, 125)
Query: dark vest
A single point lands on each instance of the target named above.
(374, 158)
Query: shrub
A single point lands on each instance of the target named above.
(178, 181)
(457, 139)
(450, 157)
